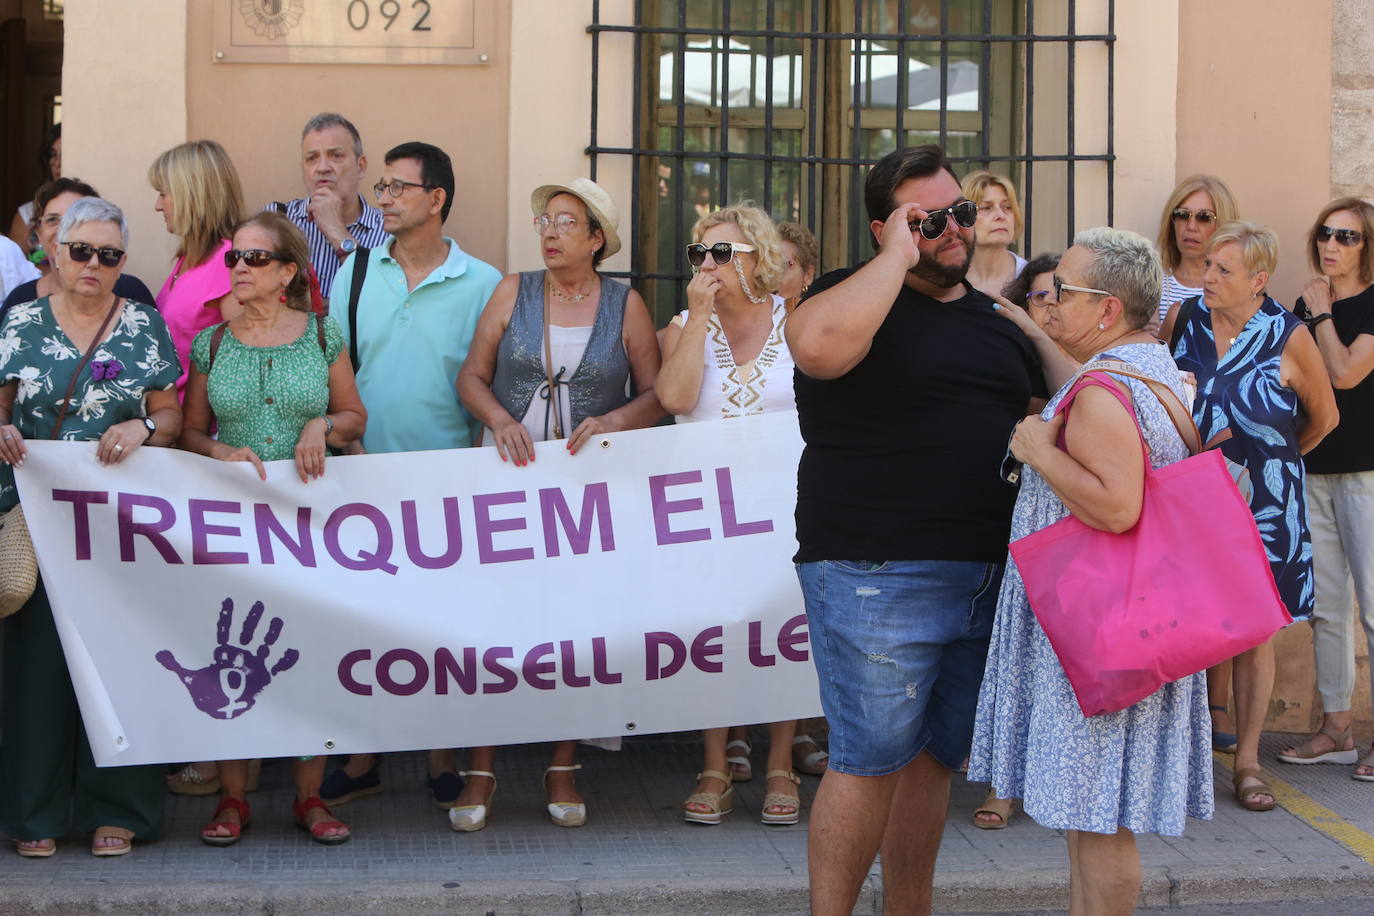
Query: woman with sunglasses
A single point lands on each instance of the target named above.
(553, 358)
(994, 265)
(1263, 397)
(1338, 306)
(86, 365)
(201, 201)
(276, 381)
(725, 356)
(1192, 213)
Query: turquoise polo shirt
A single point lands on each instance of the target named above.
(411, 344)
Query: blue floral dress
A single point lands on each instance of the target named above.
(1146, 768)
(1242, 392)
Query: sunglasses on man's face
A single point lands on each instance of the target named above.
(253, 257)
(965, 214)
(1347, 237)
(82, 252)
(721, 252)
(1183, 215)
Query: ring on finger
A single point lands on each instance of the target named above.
(119, 447)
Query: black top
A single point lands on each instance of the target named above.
(1349, 448)
(126, 285)
(903, 452)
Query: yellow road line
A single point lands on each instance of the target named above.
(1314, 813)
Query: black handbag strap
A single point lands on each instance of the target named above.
(80, 367)
(1185, 311)
(355, 290)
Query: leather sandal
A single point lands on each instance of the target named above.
(717, 803)
(36, 849)
(122, 846)
(317, 830)
(812, 763)
(791, 804)
(209, 838)
(1366, 763)
(999, 808)
(741, 770)
(1307, 751)
(565, 814)
(1244, 794)
(468, 818)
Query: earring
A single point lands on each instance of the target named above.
(1101, 326)
(282, 298)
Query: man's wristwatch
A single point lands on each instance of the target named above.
(348, 245)
(152, 428)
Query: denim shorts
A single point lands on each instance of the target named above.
(899, 648)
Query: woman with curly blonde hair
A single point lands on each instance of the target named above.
(725, 356)
(1192, 213)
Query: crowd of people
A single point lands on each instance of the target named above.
(327, 325)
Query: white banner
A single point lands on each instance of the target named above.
(427, 599)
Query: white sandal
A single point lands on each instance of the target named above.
(565, 814)
(746, 769)
(812, 764)
(468, 818)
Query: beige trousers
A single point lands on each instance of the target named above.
(1340, 510)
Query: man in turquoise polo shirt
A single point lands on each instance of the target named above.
(417, 306)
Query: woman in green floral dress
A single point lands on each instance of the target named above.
(277, 382)
(104, 369)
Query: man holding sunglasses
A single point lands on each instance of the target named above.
(908, 383)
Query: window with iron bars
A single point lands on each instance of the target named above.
(788, 103)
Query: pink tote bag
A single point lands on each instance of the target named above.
(1188, 587)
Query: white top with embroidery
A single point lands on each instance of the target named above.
(728, 390)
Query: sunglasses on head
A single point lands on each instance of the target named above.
(721, 252)
(82, 252)
(1347, 237)
(1183, 214)
(253, 257)
(965, 214)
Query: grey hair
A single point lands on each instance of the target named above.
(1127, 266)
(327, 119)
(93, 210)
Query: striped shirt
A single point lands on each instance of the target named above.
(367, 231)
(1173, 292)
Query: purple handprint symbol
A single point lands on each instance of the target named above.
(229, 686)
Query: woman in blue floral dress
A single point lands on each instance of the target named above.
(1258, 373)
(122, 397)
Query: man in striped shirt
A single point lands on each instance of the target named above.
(334, 216)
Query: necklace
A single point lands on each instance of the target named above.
(574, 297)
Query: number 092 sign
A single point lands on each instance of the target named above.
(354, 31)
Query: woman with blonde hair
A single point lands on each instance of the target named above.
(994, 265)
(803, 256)
(1197, 206)
(725, 356)
(201, 201)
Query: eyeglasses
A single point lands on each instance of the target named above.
(253, 257)
(396, 187)
(1347, 237)
(965, 213)
(1183, 215)
(1060, 286)
(562, 223)
(82, 252)
(1037, 297)
(721, 252)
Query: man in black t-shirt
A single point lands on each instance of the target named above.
(908, 386)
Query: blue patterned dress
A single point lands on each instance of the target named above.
(1146, 768)
(1242, 392)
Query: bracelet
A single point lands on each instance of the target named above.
(1318, 319)
(328, 426)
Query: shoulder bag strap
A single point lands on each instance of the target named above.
(1173, 405)
(548, 367)
(319, 335)
(1185, 311)
(216, 336)
(80, 367)
(360, 259)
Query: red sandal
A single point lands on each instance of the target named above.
(317, 832)
(235, 830)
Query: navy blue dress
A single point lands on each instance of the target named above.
(1242, 392)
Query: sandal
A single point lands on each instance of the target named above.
(812, 763)
(1244, 794)
(1222, 742)
(565, 814)
(993, 806)
(741, 770)
(1366, 764)
(790, 803)
(239, 806)
(317, 830)
(1307, 751)
(715, 802)
(36, 849)
(190, 780)
(123, 841)
(467, 818)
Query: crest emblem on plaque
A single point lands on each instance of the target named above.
(272, 18)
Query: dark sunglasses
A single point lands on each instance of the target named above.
(721, 252)
(1183, 214)
(82, 252)
(253, 257)
(1347, 237)
(965, 213)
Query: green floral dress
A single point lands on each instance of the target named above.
(263, 396)
(137, 357)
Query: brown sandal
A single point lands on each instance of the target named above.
(1251, 791)
(999, 808)
(790, 804)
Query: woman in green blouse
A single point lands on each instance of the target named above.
(277, 381)
(81, 365)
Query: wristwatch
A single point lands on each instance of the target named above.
(152, 427)
(348, 245)
(328, 426)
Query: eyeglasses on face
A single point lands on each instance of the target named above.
(562, 223)
(396, 187)
(1036, 298)
(1060, 286)
(82, 252)
(965, 214)
(1183, 215)
(1347, 237)
(721, 252)
(253, 257)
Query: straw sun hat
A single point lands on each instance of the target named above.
(598, 202)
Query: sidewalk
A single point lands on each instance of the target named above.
(637, 856)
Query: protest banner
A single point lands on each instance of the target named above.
(425, 599)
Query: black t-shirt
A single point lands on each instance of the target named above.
(126, 285)
(1349, 448)
(903, 452)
